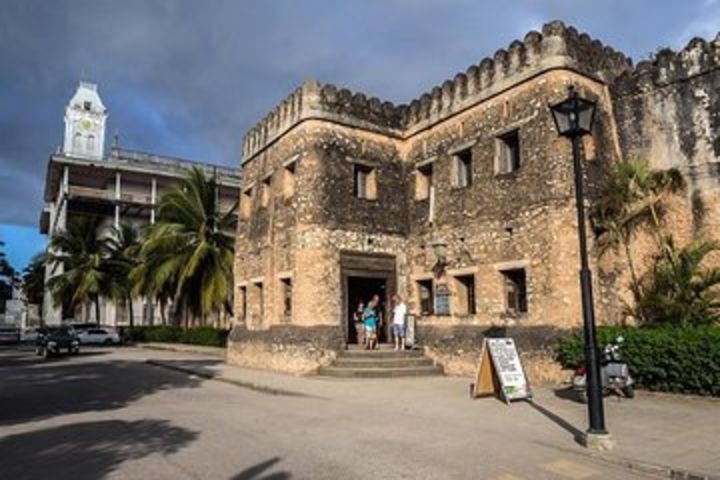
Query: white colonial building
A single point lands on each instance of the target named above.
(122, 186)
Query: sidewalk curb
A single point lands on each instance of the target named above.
(643, 467)
(182, 348)
(220, 378)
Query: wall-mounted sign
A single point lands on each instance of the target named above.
(442, 300)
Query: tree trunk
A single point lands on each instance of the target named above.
(130, 311)
(97, 309)
(634, 279)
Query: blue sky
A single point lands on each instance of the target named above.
(188, 78)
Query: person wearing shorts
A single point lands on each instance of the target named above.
(370, 320)
(399, 312)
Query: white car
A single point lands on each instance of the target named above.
(29, 335)
(103, 336)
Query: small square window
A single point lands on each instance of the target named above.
(259, 302)
(465, 294)
(463, 168)
(426, 297)
(515, 281)
(246, 203)
(286, 287)
(87, 106)
(423, 181)
(365, 182)
(242, 302)
(508, 153)
(266, 192)
(288, 182)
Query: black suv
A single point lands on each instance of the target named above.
(54, 340)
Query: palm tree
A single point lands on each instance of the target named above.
(123, 250)
(634, 197)
(187, 255)
(34, 280)
(680, 291)
(82, 254)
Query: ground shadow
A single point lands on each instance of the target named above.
(567, 393)
(33, 392)
(577, 434)
(257, 472)
(88, 450)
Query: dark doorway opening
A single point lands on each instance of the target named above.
(362, 289)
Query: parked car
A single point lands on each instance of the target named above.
(29, 335)
(81, 327)
(54, 340)
(9, 335)
(102, 336)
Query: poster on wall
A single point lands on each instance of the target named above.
(410, 330)
(500, 372)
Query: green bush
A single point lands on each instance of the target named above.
(206, 336)
(665, 359)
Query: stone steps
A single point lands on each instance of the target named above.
(382, 363)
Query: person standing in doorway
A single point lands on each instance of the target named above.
(358, 321)
(398, 327)
(379, 317)
(371, 323)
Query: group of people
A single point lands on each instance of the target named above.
(368, 319)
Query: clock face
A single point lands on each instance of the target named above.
(85, 124)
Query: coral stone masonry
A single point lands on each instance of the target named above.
(462, 201)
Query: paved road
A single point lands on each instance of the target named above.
(107, 414)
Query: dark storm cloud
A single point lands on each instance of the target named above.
(187, 78)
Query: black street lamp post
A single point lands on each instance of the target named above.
(573, 119)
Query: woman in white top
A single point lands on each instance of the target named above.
(399, 311)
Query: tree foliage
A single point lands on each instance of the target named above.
(187, 255)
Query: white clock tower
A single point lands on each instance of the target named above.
(85, 118)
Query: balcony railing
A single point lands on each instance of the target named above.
(109, 195)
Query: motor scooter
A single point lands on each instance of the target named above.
(614, 374)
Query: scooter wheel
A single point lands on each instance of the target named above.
(629, 391)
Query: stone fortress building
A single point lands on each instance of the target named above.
(124, 186)
(461, 201)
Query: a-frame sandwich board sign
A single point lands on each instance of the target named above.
(500, 372)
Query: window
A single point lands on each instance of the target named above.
(423, 181)
(87, 106)
(242, 301)
(259, 300)
(77, 142)
(266, 191)
(289, 180)
(286, 287)
(246, 203)
(515, 290)
(365, 182)
(465, 294)
(91, 143)
(463, 168)
(508, 153)
(425, 294)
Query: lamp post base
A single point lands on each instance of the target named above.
(598, 441)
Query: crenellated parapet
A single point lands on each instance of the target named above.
(557, 46)
(668, 67)
(315, 101)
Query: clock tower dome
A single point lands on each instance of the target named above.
(85, 118)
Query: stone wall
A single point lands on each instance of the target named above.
(667, 111)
